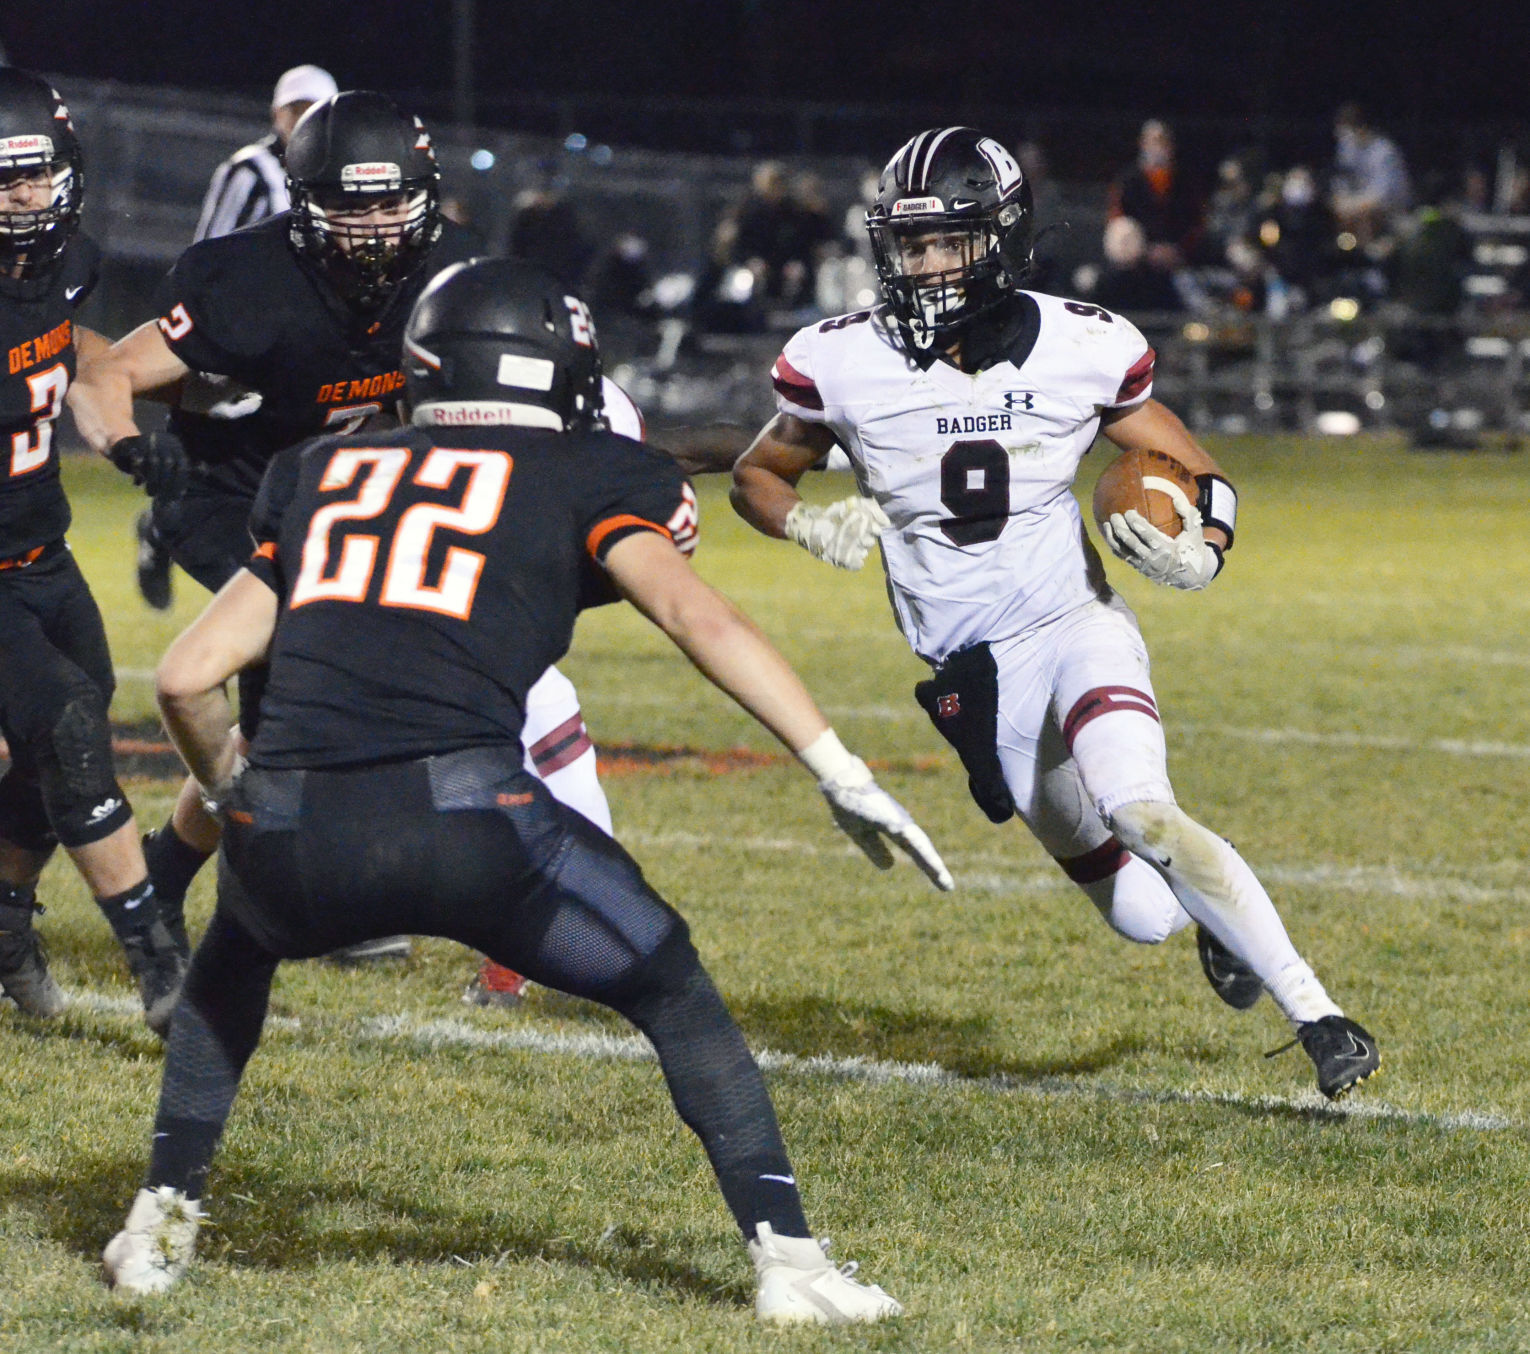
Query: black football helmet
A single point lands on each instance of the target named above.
(36, 138)
(347, 154)
(502, 341)
(964, 186)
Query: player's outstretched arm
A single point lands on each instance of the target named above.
(110, 376)
(232, 633)
(732, 653)
(765, 495)
(1193, 558)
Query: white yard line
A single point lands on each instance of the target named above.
(612, 1048)
(985, 873)
(608, 1048)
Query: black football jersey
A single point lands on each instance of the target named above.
(37, 336)
(244, 306)
(428, 578)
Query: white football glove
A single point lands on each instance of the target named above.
(841, 534)
(1183, 561)
(865, 811)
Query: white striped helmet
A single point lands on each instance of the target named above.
(954, 183)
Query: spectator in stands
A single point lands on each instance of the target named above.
(252, 183)
(1433, 253)
(1297, 233)
(1230, 214)
(1130, 283)
(1157, 195)
(1369, 190)
(783, 230)
(546, 230)
(619, 281)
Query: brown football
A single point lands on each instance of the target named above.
(1122, 487)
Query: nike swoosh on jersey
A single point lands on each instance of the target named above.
(71, 292)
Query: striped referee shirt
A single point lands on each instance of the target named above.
(247, 187)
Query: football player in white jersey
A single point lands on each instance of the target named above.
(965, 405)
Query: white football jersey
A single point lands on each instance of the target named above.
(974, 472)
(622, 415)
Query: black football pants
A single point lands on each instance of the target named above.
(56, 685)
(470, 847)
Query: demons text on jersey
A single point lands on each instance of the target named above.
(33, 351)
(387, 383)
(973, 423)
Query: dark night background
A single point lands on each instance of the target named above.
(1416, 67)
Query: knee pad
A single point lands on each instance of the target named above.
(1168, 839)
(74, 768)
(23, 817)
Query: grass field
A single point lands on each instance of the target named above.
(1034, 1134)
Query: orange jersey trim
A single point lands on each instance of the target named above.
(266, 550)
(626, 519)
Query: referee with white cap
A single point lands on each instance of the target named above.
(252, 183)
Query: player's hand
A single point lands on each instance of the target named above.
(157, 461)
(866, 813)
(841, 534)
(1183, 561)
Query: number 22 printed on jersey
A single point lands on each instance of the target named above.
(345, 575)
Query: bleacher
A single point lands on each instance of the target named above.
(1341, 367)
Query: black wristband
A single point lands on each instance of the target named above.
(1217, 502)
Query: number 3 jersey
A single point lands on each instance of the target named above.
(37, 334)
(974, 471)
(428, 578)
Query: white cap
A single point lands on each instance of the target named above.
(304, 84)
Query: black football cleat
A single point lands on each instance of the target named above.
(1343, 1052)
(1230, 978)
(153, 563)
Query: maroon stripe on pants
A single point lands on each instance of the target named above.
(1104, 700)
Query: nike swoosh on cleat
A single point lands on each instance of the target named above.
(784, 1179)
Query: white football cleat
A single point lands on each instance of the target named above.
(797, 1283)
(154, 1246)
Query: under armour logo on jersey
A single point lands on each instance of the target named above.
(1019, 399)
(949, 705)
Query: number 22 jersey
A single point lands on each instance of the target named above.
(429, 577)
(975, 472)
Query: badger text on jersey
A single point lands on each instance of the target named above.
(973, 423)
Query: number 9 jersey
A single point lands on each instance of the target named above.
(974, 471)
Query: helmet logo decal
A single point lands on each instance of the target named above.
(1005, 168)
(26, 145)
(526, 373)
(917, 206)
(372, 174)
(583, 325)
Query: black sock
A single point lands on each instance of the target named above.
(131, 912)
(216, 1028)
(719, 1092)
(173, 864)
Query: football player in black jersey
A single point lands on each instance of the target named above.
(424, 579)
(56, 678)
(302, 315)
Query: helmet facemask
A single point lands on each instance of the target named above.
(933, 303)
(366, 261)
(33, 238)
